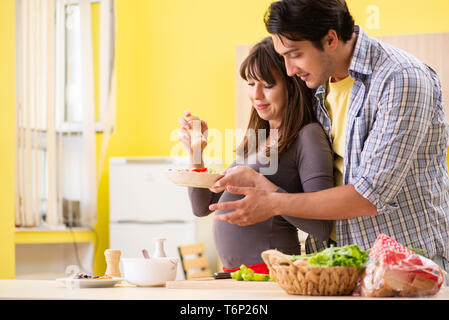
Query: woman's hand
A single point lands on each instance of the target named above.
(242, 176)
(185, 135)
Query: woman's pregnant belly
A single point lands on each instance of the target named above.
(238, 245)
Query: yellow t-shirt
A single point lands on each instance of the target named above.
(336, 102)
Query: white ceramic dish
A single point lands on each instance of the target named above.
(69, 282)
(150, 272)
(193, 179)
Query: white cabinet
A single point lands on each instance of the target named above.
(139, 191)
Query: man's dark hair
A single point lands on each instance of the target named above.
(310, 20)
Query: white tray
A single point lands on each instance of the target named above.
(88, 283)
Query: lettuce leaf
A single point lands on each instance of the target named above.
(347, 256)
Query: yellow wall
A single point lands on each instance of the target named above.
(176, 55)
(171, 56)
(7, 139)
(402, 17)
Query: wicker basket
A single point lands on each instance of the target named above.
(297, 278)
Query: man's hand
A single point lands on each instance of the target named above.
(256, 206)
(342, 202)
(242, 176)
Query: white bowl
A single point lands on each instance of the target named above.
(149, 272)
(193, 179)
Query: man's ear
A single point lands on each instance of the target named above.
(330, 40)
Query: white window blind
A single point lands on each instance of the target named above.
(56, 176)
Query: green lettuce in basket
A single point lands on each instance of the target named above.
(350, 255)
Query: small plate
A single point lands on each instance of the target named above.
(88, 283)
(193, 179)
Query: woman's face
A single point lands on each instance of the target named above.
(268, 100)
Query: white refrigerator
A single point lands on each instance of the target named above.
(144, 204)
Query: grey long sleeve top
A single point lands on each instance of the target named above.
(306, 166)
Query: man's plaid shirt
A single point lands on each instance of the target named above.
(395, 149)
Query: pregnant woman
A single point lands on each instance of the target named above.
(281, 105)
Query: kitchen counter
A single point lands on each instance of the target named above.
(53, 290)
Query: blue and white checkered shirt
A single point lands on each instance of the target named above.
(395, 149)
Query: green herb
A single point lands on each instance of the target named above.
(347, 256)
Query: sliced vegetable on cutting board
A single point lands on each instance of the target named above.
(248, 274)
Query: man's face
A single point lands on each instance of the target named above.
(304, 60)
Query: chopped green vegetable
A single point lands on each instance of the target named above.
(248, 274)
(237, 275)
(261, 277)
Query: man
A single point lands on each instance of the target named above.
(383, 113)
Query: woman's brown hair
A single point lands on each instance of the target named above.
(262, 62)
